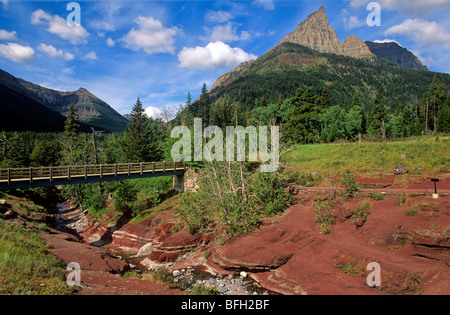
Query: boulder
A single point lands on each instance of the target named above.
(400, 170)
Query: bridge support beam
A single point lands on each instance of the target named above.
(178, 182)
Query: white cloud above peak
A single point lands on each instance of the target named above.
(422, 31)
(225, 33)
(75, 34)
(55, 53)
(5, 35)
(151, 36)
(214, 56)
(17, 52)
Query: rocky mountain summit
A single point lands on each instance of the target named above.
(316, 33)
(29, 106)
(396, 53)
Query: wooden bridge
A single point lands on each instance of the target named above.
(28, 177)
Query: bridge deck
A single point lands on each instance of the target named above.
(13, 178)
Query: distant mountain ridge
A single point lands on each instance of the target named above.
(90, 109)
(312, 56)
(315, 32)
(396, 53)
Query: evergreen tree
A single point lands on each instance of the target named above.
(378, 116)
(203, 106)
(356, 104)
(433, 100)
(443, 119)
(356, 99)
(303, 125)
(142, 139)
(325, 99)
(71, 139)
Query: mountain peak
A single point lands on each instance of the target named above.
(355, 47)
(315, 32)
(392, 51)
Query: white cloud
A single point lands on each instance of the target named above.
(353, 22)
(16, 52)
(153, 112)
(40, 16)
(225, 33)
(424, 32)
(151, 36)
(218, 16)
(110, 42)
(5, 35)
(108, 26)
(91, 55)
(55, 53)
(75, 34)
(266, 4)
(415, 7)
(5, 4)
(214, 56)
(387, 41)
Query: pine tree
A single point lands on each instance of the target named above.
(378, 116)
(325, 99)
(443, 119)
(142, 139)
(433, 101)
(70, 137)
(303, 124)
(204, 103)
(356, 99)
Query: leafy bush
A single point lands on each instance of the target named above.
(267, 191)
(194, 211)
(363, 210)
(323, 216)
(377, 196)
(232, 198)
(350, 184)
(402, 200)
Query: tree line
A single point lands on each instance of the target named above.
(311, 116)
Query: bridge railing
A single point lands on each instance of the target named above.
(50, 173)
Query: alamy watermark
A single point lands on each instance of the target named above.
(74, 277)
(258, 148)
(374, 278)
(374, 18)
(74, 17)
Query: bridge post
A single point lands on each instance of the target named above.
(31, 175)
(51, 174)
(9, 176)
(178, 182)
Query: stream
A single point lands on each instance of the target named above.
(75, 223)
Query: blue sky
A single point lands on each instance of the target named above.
(161, 50)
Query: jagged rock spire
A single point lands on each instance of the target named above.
(316, 33)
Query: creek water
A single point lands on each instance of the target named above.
(74, 222)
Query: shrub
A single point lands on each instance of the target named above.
(350, 184)
(363, 210)
(402, 200)
(377, 196)
(232, 199)
(323, 216)
(412, 211)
